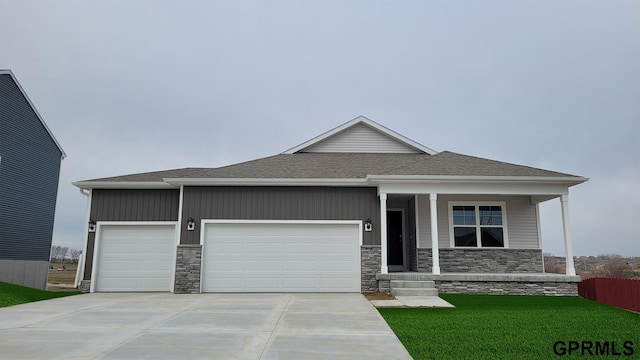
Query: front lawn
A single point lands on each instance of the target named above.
(515, 327)
(11, 294)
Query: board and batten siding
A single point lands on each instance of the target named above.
(522, 219)
(280, 203)
(360, 139)
(130, 205)
(29, 172)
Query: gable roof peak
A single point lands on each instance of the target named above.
(372, 127)
(24, 94)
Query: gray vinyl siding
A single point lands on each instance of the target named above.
(130, 205)
(29, 173)
(522, 220)
(280, 203)
(135, 205)
(360, 138)
(424, 222)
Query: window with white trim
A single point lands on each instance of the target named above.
(478, 225)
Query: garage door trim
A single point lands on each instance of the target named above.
(96, 244)
(204, 222)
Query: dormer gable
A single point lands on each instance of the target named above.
(361, 135)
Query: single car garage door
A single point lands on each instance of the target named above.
(135, 257)
(312, 256)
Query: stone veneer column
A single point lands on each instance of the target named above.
(188, 263)
(370, 264)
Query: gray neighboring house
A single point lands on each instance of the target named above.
(30, 160)
(359, 208)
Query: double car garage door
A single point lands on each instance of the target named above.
(237, 256)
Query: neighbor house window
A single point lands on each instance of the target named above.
(478, 225)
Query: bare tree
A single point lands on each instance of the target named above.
(59, 253)
(616, 267)
(75, 255)
(55, 253)
(553, 264)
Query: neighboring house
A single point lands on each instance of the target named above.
(357, 209)
(29, 169)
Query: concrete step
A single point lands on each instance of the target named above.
(413, 284)
(414, 292)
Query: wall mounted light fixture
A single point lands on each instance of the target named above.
(367, 225)
(92, 226)
(191, 224)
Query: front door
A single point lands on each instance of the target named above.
(395, 248)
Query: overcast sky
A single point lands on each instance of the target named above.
(136, 86)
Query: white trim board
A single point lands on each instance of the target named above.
(362, 120)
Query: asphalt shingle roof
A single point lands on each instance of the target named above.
(347, 166)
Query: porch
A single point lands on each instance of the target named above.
(487, 283)
(466, 230)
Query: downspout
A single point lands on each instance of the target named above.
(83, 257)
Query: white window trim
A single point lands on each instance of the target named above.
(477, 204)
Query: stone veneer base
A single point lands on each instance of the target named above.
(85, 286)
(188, 263)
(483, 260)
(512, 284)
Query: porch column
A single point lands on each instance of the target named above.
(435, 253)
(568, 250)
(384, 269)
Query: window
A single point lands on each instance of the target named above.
(478, 225)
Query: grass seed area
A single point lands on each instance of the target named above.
(509, 327)
(11, 294)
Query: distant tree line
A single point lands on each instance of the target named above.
(608, 265)
(62, 254)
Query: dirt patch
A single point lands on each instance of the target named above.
(379, 296)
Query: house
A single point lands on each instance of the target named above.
(359, 208)
(30, 160)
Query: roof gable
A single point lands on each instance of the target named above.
(361, 135)
(7, 72)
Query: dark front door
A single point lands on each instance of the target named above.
(395, 256)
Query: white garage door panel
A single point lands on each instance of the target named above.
(135, 258)
(281, 257)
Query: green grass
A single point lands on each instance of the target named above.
(11, 294)
(510, 327)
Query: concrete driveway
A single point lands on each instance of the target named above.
(203, 326)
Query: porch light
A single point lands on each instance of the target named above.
(191, 224)
(92, 226)
(367, 225)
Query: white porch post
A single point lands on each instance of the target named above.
(564, 203)
(384, 269)
(435, 253)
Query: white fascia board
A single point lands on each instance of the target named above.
(368, 122)
(496, 188)
(566, 180)
(123, 185)
(265, 182)
(10, 73)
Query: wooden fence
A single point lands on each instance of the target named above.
(622, 293)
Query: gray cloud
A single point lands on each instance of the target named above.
(148, 85)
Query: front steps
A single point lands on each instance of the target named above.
(413, 288)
